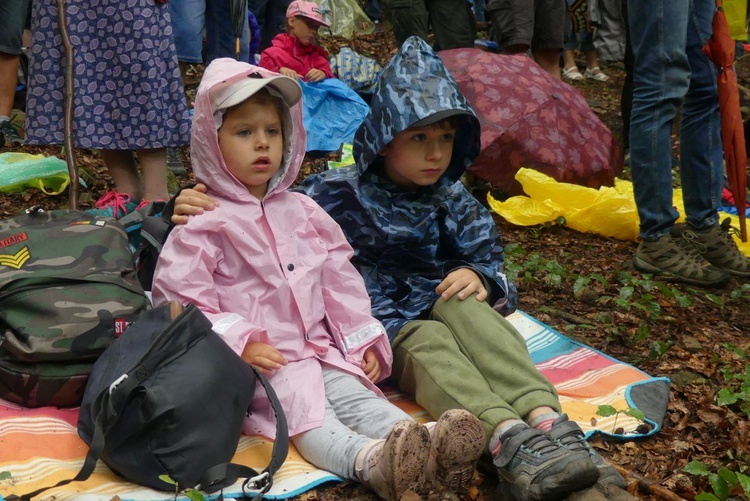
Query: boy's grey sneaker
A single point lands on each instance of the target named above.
(533, 467)
(9, 135)
(568, 434)
(717, 246)
(676, 256)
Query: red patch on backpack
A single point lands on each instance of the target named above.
(120, 325)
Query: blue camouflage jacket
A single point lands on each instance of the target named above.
(406, 242)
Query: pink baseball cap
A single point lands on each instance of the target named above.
(310, 10)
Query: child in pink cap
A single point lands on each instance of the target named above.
(294, 53)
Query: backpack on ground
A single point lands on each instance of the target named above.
(168, 398)
(67, 289)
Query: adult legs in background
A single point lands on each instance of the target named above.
(701, 150)
(271, 15)
(670, 69)
(122, 167)
(220, 35)
(408, 18)
(453, 24)
(662, 79)
(517, 26)
(12, 21)
(626, 97)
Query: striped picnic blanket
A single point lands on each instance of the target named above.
(39, 447)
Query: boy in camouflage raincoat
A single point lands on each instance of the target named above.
(433, 265)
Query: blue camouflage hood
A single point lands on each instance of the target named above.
(415, 85)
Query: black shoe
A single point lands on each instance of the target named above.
(9, 134)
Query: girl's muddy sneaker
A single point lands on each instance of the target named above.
(457, 441)
(392, 466)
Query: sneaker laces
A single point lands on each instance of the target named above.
(115, 200)
(523, 437)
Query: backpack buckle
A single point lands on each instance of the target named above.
(117, 382)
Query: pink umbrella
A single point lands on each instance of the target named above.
(530, 119)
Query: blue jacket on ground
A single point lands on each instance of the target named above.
(406, 242)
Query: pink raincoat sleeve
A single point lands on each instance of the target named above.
(321, 62)
(184, 273)
(347, 304)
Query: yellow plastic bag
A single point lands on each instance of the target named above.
(610, 212)
(736, 12)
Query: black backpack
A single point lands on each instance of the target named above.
(169, 398)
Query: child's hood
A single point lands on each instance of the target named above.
(208, 164)
(413, 86)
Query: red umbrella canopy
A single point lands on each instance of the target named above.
(530, 119)
(720, 49)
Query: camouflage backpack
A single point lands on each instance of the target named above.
(67, 289)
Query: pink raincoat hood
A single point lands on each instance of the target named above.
(208, 165)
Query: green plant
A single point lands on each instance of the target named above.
(635, 293)
(608, 410)
(722, 482)
(732, 395)
(741, 293)
(190, 493)
(658, 349)
(5, 475)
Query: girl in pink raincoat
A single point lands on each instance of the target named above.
(271, 270)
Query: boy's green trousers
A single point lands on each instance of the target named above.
(466, 355)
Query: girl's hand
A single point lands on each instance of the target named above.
(288, 72)
(191, 202)
(315, 75)
(263, 357)
(371, 365)
(463, 281)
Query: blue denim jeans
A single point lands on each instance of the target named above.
(189, 17)
(670, 69)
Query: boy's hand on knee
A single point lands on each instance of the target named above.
(463, 282)
(263, 357)
(191, 202)
(371, 365)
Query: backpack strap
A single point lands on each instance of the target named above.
(225, 475)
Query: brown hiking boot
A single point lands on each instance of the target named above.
(675, 256)
(717, 246)
(392, 466)
(457, 441)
